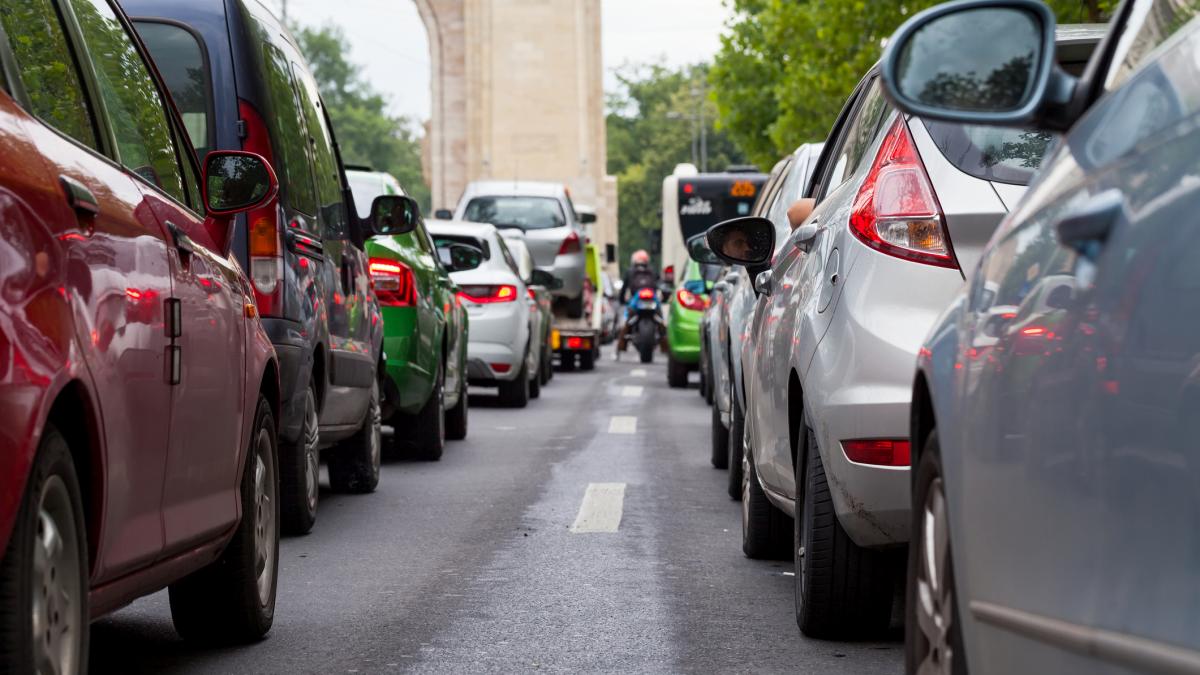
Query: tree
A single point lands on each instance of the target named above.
(367, 134)
(650, 126)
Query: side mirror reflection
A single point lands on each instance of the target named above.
(394, 214)
(237, 181)
(460, 257)
(743, 241)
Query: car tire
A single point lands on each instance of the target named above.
(52, 496)
(545, 366)
(456, 417)
(928, 490)
(703, 391)
(766, 531)
(535, 386)
(515, 394)
(843, 591)
(354, 463)
(677, 373)
(428, 437)
(574, 306)
(232, 600)
(300, 471)
(719, 441)
(736, 445)
(587, 361)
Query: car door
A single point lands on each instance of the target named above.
(1086, 402)
(118, 278)
(431, 302)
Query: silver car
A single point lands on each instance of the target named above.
(903, 206)
(553, 230)
(1055, 403)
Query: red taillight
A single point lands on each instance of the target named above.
(262, 223)
(500, 367)
(881, 452)
(393, 282)
(487, 294)
(646, 294)
(896, 211)
(571, 244)
(690, 300)
(576, 343)
(532, 293)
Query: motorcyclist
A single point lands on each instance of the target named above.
(639, 275)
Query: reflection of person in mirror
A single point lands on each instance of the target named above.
(736, 245)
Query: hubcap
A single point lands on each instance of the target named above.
(264, 516)
(312, 467)
(935, 597)
(56, 582)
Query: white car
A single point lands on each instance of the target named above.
(499, 352)
(539, 308)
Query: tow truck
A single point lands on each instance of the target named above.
(576, 342)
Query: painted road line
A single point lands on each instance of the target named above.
(638, 372)
(631, 392)
(621, 424)
(601, 508)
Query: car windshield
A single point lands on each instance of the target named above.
(527, 213)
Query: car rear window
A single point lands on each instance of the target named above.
(181, 62)
(991, 153)
(443, 240)
(527, 213)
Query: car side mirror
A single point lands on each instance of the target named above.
(546, 280)
(443, 214)
(235, 182)
(394, 214)
(743, 241)
(698, 250)
(762, 282)
(586, 217)
(934, 67)
(805, 235)
(460, 257)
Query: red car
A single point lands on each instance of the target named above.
(138, 391)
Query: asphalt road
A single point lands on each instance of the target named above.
(470, 564)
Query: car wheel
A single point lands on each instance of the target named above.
(736, 443)
(933, 634)
(545, 367)
(704, 372)
(428, 435)
(515, 394)
(719, 441)
(842, 590)
(766, 531)
(456, 417)
(300, 471)
(587, 361)
(574, 306)
(677, 373)
(535, 386)
(233, 598)
(43, 575)
(354, 463)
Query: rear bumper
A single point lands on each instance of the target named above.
(570, 268)
(408, 384)
(483, 359)
(683, 334)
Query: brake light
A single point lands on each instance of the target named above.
(262, 223)
(881, 452)
(646, 294)
(896, 211)
(576, 343)
(571, 244)
(500, 367)
(393, 282)
(488, 294)
(690, 300)
(532, 294)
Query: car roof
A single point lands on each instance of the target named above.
(516, 188)
(462, 227)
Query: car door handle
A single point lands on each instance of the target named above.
(79, 197)
(183, 243)
(1087, 229)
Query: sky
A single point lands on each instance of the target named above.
(388, 39)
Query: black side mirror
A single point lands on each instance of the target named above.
(460, 257)
(546, 280)
(743, 241)
(698, 250)
(934, 65)
(394, 214)
(443, 214)
(585, 214)
(236, 181)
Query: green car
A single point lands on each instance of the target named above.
(424, 330)
(686, 310)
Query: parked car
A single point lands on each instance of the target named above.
(553, 229)
(685, 307)
(241, 83)
(127, 462)
(902, 205)
(424, 396)
(500, 350)
(1052, 494)
(541, 317)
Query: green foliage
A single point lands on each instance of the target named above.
(365, 131)
(785, 67)
(650, 127)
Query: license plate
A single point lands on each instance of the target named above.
(645, 304)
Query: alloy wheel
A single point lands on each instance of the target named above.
(312, 458)
(935, 593)
(57, 578)
(264, 516)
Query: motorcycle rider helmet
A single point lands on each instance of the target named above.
(639, 257)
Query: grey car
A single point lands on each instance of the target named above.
(1055, 440)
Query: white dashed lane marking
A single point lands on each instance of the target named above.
(631, 392)
(621, 424)
(638, 372)
(601, 509)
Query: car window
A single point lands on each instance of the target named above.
(367, 185)
(325, 166)
(135, 110)
(527, 213)
(991, 153)
(856, 139)
(48, 71)
(181, 63)
(1151, 23)
(289, 139)
(789, 191)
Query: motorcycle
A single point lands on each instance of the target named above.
(644, 323)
